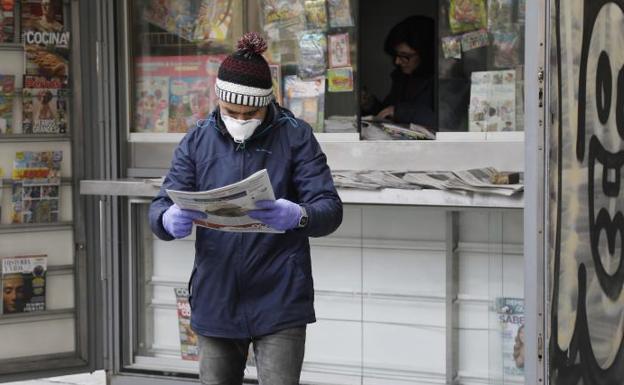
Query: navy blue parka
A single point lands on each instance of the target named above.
(251, 284)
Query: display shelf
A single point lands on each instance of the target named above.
(11, 46)
(170, 137)
(60, 270)
(34, 227)
(35, 138)
(37, 316)
(424, 197)
(64, 182)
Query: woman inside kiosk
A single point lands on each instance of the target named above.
(410, 100)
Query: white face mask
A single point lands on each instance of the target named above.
(240, 130)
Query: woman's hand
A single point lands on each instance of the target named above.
(386, 113)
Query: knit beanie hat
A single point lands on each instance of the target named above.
(245, 77)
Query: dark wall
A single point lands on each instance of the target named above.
(376, 20)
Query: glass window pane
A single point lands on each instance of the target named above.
(313, 54)
(481, 64)
(177, 47)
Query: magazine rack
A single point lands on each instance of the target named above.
(47, 340)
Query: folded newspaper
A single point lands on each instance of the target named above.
(226, 207)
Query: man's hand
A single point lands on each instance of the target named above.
(179, 222)
(386, 113)
(281, 214)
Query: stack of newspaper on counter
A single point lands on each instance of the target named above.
(483, 180)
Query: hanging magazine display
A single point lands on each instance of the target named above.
(46, 45)
(173, 92)
(276, 78)
(283, 19)
(506, 48)
(188, 339)
(339, 50)
(36, 186)
(511, 318)
(500, 14)
(24, 284)
(493, 101)
(42, 16)
(7, 21)
(305, 99)
(340, 79)
(7, 92)
(339, 13)
(311, 61)
(214, 20)
(176, 17)
(467, 15)
(315, 14)
(44, 105)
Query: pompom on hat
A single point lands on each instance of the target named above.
(245, 77)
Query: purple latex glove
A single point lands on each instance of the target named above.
(281, 214)
(179, 222)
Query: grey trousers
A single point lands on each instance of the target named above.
(279, 357)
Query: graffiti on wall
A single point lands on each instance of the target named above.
(586, 191)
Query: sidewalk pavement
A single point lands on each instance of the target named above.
(95, 378)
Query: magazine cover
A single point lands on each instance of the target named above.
(47, 53)
(339, 50)
(176, 17)
(451, 47)
(44, 105)
(188, 339)
(311, 61)
(500, 14)
(315, 14)
(474, 40)
(340, 79)
(467, 15)
(152, 104)
(283, 19)
(506, 48)
(36, 186)
(340, 13)
(7, 21)
(24, 284)
(511, 318)
(7, 93)
(306, 99)
(276, 78)
(189, 101)
(185, 82)
(42, 15)
(492, 101)
(214, 20)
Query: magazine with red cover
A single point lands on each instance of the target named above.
(44, 103)
(7, 93)
(7, 21)
(188, 339)
(24, 284)
(173, 92)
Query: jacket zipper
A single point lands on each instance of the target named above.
(243, 152)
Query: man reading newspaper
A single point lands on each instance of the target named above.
(251, 287)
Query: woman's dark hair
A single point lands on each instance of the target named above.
(418, 32)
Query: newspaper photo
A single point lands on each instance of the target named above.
(226, 207)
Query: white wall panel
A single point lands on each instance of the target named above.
(404, 271)
(337, 268)
(35, 338)
(173, 259)
(57, 245)
(59, 291)
(335, 343)
(402, 348)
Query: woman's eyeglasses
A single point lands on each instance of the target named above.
(404, 57)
